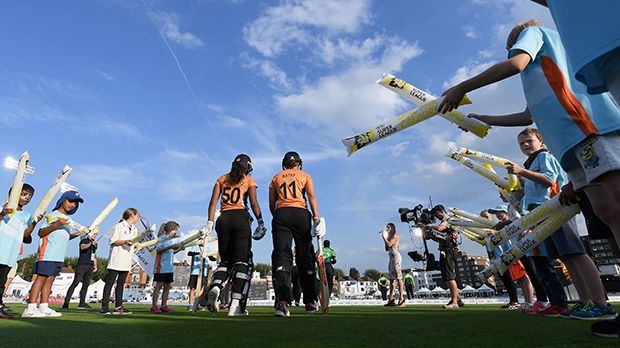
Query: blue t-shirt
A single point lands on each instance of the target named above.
(12, 235)
(590, 32)
(53, 247)
(535, 193)
(164, 262)
(560, 105)
(196, 261)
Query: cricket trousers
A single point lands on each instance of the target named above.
(234, 245)
(293, 224)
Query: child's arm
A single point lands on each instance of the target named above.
(166, 248)
(498, 72)
(519, 119)
(53, 227)
(115, 241)
(35, 221)
(536, 177)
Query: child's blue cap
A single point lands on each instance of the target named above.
(500, 208)
(72, 196)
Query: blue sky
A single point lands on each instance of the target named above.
(150, 101)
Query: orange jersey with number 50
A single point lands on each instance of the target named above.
(290, 187)
(234, 196)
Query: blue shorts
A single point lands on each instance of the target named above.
(565, 241)
(47, 268)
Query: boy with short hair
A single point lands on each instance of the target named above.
(55, 235)
(15, 229)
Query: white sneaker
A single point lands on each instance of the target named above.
(33, 313)
(48, 312)
(213, 300)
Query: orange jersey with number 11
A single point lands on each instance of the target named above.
(290, 187)
(234, 196)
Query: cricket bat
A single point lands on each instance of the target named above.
(200, 287)
(22, 167)
(51, 193)
(324, 293)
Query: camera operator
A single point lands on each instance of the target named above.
(448, 247)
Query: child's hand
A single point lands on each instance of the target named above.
(568, 195)
(38, 218)
(451, 100)
(7, 211)
(61, 221)
(514, 168)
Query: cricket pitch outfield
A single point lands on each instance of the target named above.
(364, 326)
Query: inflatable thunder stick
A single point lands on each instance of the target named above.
(420, 97)
(472, 217)
(531, 240)
(22, 167)
(543, 211)
(496, 161)
(51, 193)
(479, 168)
(394, 125)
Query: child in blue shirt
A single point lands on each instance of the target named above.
(55, 235)
(15, 228)
(580, 129)
(164, 267)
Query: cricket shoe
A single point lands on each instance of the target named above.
(282, 309)
(235, 310)
(50, 312)
(4, 314)
(593, 311)
(403, 304)
(312, 308)
(104, 311)
(390, 303)
(84, 306)
(213, 301)
(33, 313)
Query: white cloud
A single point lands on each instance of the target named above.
(293, 20)
(267, 69)
(398, 149)
(168, 24)
(470, 32)
(467, 71)
(107, 178)
(356, 102)
(188, 221)
(105, 75)
(230, 122)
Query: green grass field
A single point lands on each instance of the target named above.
(413, 326)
